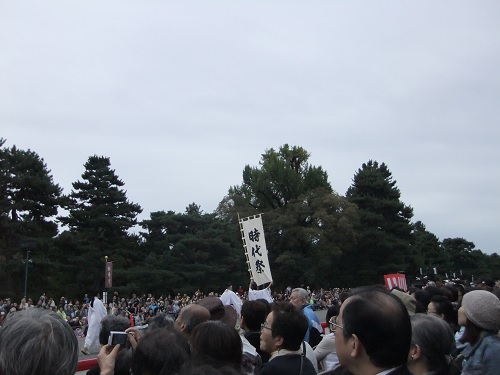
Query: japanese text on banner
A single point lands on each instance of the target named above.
(255, 249)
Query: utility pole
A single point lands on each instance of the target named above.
(26, 272)
(27, 243)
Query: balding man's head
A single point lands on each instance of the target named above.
(380, 322)
(190, 316)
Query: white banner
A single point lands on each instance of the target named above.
(252, 234)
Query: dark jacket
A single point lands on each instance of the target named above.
(288, 365)
(254, 339)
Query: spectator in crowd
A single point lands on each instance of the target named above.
(282, 336)
(120, 324)
(216, 343)
(253, 314)
(3, 314)
(300, 299)
(38, 342)
(480, 315)
(373, 334)
(60, 311)
(326, 351)
(96, 313)
(160, 352)
(442, 307)
(432, 346)
(251, 360)
(422, 297)
(409, 301)
(334, 308)
(160, 321)
(189, 317)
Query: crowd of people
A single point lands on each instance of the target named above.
(430, 329)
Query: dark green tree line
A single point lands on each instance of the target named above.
(314, 235)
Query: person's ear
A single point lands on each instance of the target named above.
(356, 346)
(278, 340)
(415, 352)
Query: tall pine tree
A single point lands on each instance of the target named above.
(29, 200)
(384, 232)
(99, 217)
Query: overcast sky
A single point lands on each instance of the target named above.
(182, 95)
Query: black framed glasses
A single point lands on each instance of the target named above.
(332, 324)
(263, 326)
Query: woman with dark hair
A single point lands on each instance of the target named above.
(432, 345)
(216, 343)
(442, 307)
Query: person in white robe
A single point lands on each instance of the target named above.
(96, 312)
(230, 298)
(254, 293)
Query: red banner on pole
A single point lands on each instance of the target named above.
(108, 275)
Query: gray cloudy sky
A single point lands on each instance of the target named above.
(181, 95)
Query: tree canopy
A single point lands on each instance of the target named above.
(29, 200)
(314, 235)
(99, 216)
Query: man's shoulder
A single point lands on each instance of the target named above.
(308, 311)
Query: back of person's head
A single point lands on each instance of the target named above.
(191, 316)
(435, 339)
(254, 314)
(433, 290)
(444, 309)
(452, 292)
(381, 323)
(266, 304)
(160, 352)
(217, 343)
(160, 321)
(112, 323)
(343, 296)
(35, 341)
(289, 323)
(423, 298)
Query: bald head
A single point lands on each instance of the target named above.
(190, 316)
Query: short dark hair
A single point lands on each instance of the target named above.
(254, 313)
(217, 343)
(444, 306)
(112, 323)
(289, 323)
(381, 322)
(160, 352)
(36, 341)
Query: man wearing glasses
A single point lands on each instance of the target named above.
(282, 336)
(373, 334)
